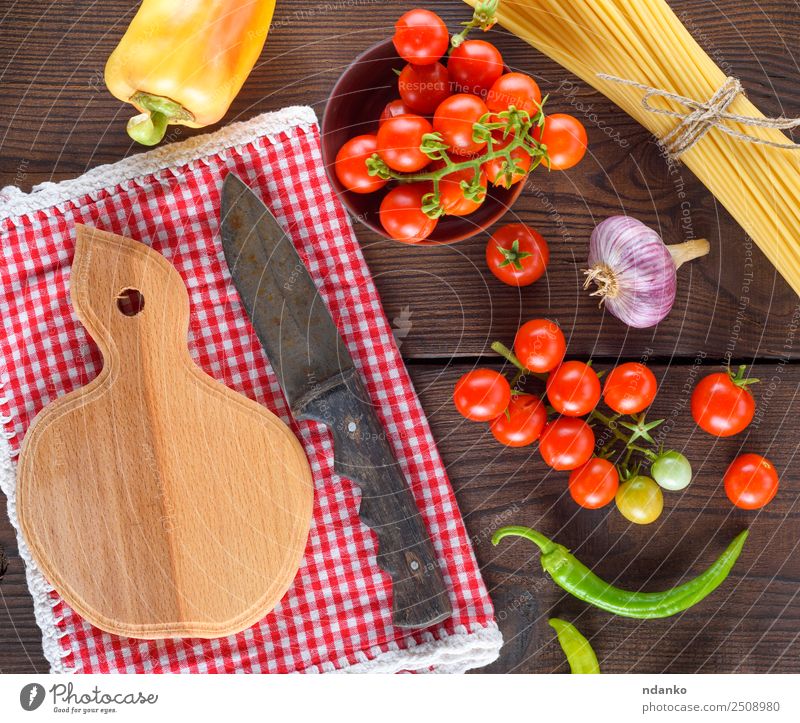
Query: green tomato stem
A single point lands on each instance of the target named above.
(513, 257)
(739, 377)
(611, 425)
(501, 349)
(520, 373)
(628, 441)
(628, 456)
(652, 456)
(482, 17)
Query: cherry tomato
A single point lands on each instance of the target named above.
(540, 345)
(351, 165)
(566, 443)
(474, 67)
(566, 141)
(630, 388)
(482, 395)
(497, 170)
(399, 141)
(640, 500)
(424, 87)
(722, 405)
(454, 119)
(393, 109)
(420, 37)
(451, 196)
(594, 484)
(401, 213)
(522, 424)
(515, 89)
(517, 255)
(672, 471)
(573, 389)
(751, 482)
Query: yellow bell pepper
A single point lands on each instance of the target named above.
(184, 61)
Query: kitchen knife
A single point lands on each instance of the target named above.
(321, 383)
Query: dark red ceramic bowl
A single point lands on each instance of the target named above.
(353, 108)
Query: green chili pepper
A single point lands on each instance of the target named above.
(580, 656)
(580, 581)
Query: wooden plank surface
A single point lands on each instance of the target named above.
(57, 120)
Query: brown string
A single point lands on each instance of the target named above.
(702, 116)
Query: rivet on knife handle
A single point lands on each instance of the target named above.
(363, 455)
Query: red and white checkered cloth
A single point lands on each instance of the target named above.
(337, 614)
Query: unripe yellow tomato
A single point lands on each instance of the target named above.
(640, 500)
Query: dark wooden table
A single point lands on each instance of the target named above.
(57, 121)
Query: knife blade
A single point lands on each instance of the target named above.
(321, 383)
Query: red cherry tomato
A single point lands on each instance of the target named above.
(420, 37)
(482, 395)
(451, 196)
(393, 109)
(566, 141)
(540, 345)
(401, 213)
(751, 482)
(497, 169)
(566, 443)
(474, 67)
(454, 119)
(722, 405)
(594, 484)
(351, 165)
(523, 422)
(424, 87)
(630, 388)
(573, 389)
(517, 255)
(515, 89)
(399, 141)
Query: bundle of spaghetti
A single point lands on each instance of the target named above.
(644, 41)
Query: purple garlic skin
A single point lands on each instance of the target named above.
(635, 272)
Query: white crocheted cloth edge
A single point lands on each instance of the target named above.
(456, 653)
(14, 203)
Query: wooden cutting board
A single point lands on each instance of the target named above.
(158, 502)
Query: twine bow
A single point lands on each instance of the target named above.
(702, 116)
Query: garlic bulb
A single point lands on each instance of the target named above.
(635, 271)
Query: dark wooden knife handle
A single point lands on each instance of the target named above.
(363, 455)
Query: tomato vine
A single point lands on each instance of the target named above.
(513, 123)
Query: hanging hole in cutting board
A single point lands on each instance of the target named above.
(130, 302)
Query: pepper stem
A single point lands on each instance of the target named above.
(545, 544)
(149, 127)
(688, 250)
